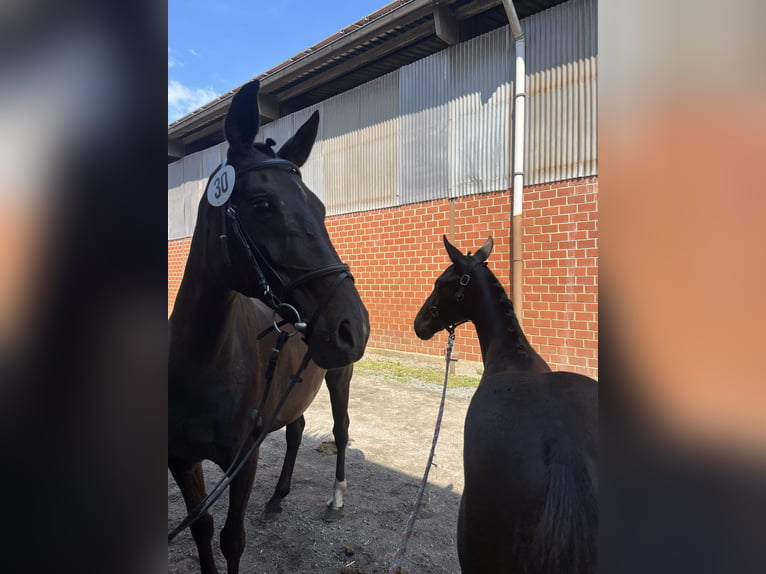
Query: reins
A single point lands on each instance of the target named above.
(240, 459)
(257, 262)
(410, 525)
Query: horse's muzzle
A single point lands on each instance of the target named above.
(338, 343)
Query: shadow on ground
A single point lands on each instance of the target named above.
(391, 434)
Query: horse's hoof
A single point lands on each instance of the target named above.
(270, 516)
(333, 514)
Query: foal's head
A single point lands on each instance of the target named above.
(275, 232)
(450, 302)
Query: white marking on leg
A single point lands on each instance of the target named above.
(336, 502)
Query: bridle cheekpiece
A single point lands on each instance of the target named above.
(258, 262)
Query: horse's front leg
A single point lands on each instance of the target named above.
(293, 435)
(339, 384)
(233, 533)
(191, 482)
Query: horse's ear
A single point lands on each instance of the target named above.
(453, 252)
(298, 147)
(242, 119)
(483, 253)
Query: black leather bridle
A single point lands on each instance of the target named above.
(259, 428)
(465, 279)
(277, 299)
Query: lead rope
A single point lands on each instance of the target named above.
(402, 548)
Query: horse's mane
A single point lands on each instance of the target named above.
(506, 305)
(266, 147)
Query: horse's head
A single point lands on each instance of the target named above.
(448, 304)
(275, 245)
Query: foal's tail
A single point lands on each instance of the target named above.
(566, 533)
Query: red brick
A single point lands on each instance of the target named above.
(396, 253)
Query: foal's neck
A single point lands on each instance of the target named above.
(504, 347)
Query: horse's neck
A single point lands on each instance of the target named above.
(203, 306)
(504, 347)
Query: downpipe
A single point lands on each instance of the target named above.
(519, 121)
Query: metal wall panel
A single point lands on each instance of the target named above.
(176, 227)
(279, 130)
(424, 135)
(175, 174)
(562, 96)
(186, 183)
(361, 147)
(479, 113)
(440, 126)
(193, 188)
(379, 144)
(211, 159)
(340, 149)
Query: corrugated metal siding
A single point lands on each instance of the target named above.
(361, 147)
(211, 159)
(340, 149)
(479, 113)
(186, 183)
(440, 126)
(176, 228)
(424, 134)
(187, 178)
(562, 96)
(279, 130)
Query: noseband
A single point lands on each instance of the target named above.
(259, 263)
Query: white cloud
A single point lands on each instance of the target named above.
(193, 52)
(173, 62)
(183, 99)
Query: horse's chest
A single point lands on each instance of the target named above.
(204, 414)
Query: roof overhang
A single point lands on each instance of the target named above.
(399, 33)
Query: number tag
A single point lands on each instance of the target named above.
(220, 186)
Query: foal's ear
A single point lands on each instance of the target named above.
(298, 147)
(453, 252)
(242, 119)
(483, 253)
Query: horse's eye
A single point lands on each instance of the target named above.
(261, 204)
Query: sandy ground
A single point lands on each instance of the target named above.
(391, 429)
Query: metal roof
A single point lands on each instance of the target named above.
(395, 35)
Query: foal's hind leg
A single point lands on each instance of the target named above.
(233, 533)
(339, 383)
(191, 481)
(293, 434)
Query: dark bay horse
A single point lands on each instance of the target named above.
(261, 255)
(530, 440)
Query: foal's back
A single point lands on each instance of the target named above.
(530, 475)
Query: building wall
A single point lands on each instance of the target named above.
(424, 151)
(397, 253)
(178, 252)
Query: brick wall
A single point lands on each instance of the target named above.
(561, 273)
(178, 251)
(397, 253)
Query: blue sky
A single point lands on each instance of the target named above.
(213, 47)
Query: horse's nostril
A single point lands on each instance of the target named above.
(345, 337)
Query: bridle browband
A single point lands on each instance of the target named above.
(276, 300)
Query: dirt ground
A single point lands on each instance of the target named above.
(391, 429)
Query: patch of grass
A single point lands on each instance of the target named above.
(407, 374)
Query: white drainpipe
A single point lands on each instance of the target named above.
(519, 101)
